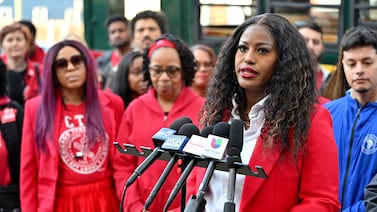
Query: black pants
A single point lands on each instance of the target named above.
(9, 198)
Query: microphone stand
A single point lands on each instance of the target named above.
(181, 185)
(230, 206)
(183, 189)
(220, 165)
(183, 197)
(160, 181)
(197, 203)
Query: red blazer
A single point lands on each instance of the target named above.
(310, 184)
(39, 171)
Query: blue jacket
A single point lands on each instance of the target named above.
(355, 131)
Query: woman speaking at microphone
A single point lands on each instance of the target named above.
(170, 68)
(264, 76)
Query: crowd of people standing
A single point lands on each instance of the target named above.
(311, 130)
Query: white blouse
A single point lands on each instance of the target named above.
(216, 195)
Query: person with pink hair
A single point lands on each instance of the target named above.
(67, 158)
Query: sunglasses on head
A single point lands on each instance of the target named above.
(62, 64)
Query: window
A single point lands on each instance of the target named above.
(218, 18)
(366, 13)
(324, 12)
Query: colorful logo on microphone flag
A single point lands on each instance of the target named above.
(216, 142)
(216, 147)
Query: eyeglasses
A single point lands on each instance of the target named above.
(171, 71)
(206, 65)
(61, 65)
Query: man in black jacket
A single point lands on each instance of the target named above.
(119, 39)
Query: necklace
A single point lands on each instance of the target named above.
(247, 124)
(246, 120)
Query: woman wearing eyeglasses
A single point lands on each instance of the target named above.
(67, 156)
(205, 58)
(170, 70)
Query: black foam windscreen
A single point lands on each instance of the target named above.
(188, 130)
(178, 123)
(206, 131)
(221, 129)
(235, 137)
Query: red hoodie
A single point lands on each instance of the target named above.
(142, 118)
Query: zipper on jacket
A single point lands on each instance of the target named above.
(350, 153)
(165, 117)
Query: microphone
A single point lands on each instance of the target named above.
(160, 136)
(206, 131)
(234, 156)
(197, 203)
(177, 142)
(197, 143)
(216, 142)
(174, 144)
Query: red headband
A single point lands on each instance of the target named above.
(159, 44)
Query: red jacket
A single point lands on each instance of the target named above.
(38, 55)
(32, 78)
(39, 171)
(142, 118)
(311, 184)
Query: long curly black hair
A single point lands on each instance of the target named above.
(185, 55)
(291, 90)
